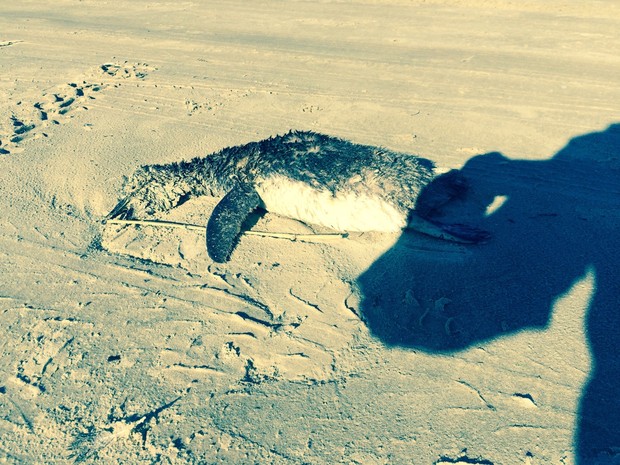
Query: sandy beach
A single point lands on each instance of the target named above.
(127, 344)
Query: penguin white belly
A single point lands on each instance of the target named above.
(347, 211)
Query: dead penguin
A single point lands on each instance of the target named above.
(311, 177)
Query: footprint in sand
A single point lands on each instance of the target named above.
(20, 129)
(65, 99)
(13, 132)
(29, 121)
(126, 70)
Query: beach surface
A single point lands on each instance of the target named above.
(127, 344)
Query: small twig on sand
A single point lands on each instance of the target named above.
(164, 224)
(289, 236)
(298, 237)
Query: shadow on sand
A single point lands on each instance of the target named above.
(560, 219)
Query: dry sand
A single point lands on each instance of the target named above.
(127, 345)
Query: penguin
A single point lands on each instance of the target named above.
(308, 176)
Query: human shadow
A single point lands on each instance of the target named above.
(560, 219)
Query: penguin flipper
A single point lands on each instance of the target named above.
(224, 225)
